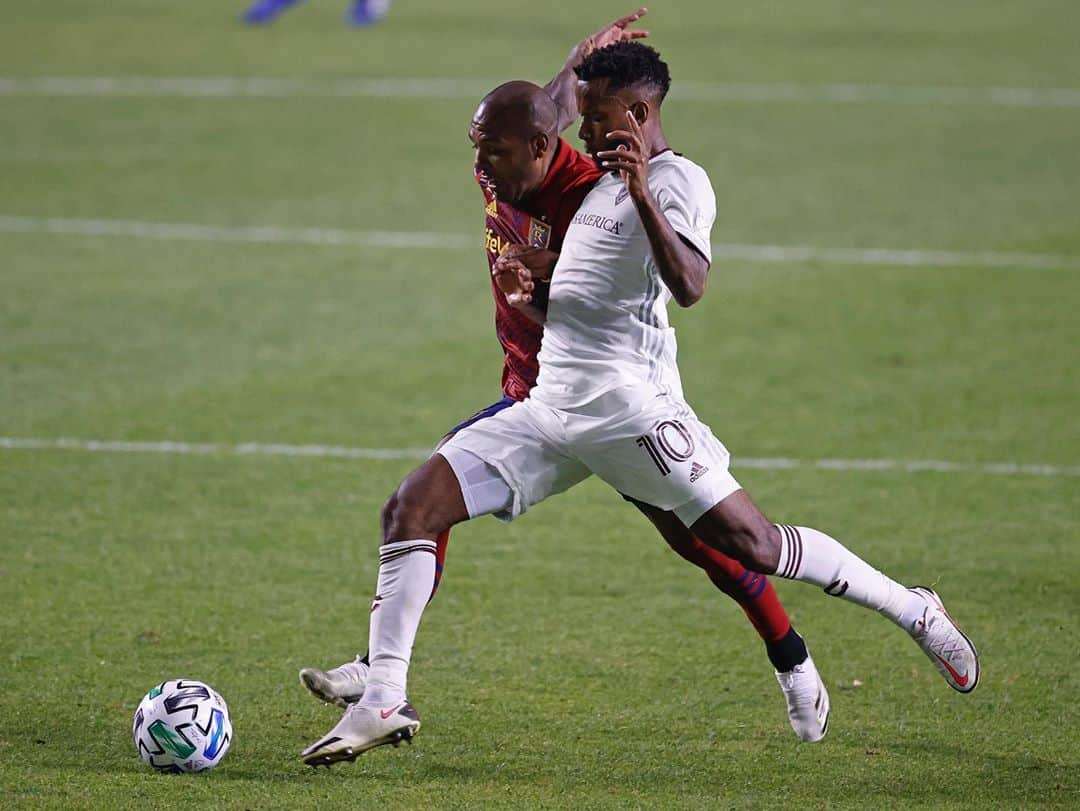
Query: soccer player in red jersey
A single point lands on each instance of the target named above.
(533, 183)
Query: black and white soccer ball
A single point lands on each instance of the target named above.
(182, 726)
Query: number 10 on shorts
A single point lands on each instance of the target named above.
(669, 440)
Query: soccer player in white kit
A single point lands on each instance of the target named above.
(608, 401)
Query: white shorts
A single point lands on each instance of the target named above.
(645, 442)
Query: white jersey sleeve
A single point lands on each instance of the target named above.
(687, 200)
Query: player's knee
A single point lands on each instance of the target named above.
(413, 511)
(404, 515)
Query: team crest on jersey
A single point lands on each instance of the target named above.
(492, 208)
(539, 234)
(622, 195)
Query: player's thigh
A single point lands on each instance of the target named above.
(520, 444)
(657, 451)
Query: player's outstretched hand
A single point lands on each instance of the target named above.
(629, 158)
(515, 280)
(564, 84)
(611, 33)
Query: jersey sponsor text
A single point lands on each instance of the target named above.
(609, 224)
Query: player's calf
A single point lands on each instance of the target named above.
(737, 528)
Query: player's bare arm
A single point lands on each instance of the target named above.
(562, 88)
(517, 272)
(682, 268)
(540, 262)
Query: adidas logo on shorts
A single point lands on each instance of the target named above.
(697, 471)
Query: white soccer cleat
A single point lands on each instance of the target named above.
(342, 685)
(944, 643)
(363, 728)
(807, 701)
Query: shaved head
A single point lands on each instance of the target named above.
(515, 134)
(518, 108)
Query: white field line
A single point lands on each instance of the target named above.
(786, 254)
(217, 233)
(209, 448)
(897, 257)
(473, 89)
(768, 463)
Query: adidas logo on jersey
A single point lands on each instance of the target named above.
(697, 471)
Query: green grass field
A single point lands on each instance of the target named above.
(570, 659)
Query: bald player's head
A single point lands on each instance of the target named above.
(514, 132)
(519, 108)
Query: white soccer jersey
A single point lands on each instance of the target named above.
(607, 323)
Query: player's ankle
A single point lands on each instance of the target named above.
(786, 652)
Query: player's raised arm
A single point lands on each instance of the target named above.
(683, 269)
(562, 88)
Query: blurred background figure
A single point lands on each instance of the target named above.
(361, 12)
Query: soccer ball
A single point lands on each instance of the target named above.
(182, 726)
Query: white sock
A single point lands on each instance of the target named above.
(813, 557)
(406, 576)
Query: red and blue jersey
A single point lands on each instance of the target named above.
(540, 220)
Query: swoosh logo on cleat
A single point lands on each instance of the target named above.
(309, 753)
(961, 680)
(384, 714)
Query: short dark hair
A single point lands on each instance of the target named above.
(625, 64)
